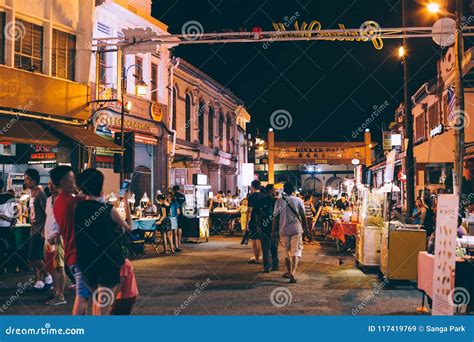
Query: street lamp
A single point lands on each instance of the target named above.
(140, 90)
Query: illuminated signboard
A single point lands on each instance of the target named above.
(369, 31)
(318, 155)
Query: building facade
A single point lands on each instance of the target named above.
(208, 123)
(45, 56)
(113, 72)
(435, 122)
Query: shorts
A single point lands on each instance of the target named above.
(174, 223)
(58, 260)
(82, 290)
(253, 232)
(36, 247)
(293, 244)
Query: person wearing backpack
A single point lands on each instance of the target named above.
(265, 219)
(289, 223)
(99, 231)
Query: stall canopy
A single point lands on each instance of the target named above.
(20, 131)
(83, 136)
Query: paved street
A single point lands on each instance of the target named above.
(214, 279)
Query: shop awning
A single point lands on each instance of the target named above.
(20, 131)
(83, 136)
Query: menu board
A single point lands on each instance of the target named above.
(445, 254)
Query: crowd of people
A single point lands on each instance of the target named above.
(75, 234)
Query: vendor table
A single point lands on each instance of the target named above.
(463, 278)
(340, 231)
(144, 232)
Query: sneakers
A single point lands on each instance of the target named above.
(48, 280)
(56, 301)
(39, 285)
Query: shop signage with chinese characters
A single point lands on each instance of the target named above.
(43, 153)
(113, 120)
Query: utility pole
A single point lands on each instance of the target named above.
(459, 94)
(409, 159)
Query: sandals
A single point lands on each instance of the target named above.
(292, 281)
(286, 275)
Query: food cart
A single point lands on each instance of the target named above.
(195, 221)
(369, 231)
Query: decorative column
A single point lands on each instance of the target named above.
(230, 178)
(214, 177)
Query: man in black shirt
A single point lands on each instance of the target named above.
(269, 245)
(341, 203)
(254, 200)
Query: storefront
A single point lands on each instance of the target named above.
(149, 159)
(43, 123)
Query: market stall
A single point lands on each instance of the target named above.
(369, 231)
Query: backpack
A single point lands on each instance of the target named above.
(265, 212)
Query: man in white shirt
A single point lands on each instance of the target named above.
(54, 244)
(289, 223)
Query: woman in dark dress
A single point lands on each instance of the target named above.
(164, 223)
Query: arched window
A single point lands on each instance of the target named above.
(221, 129)
(211, 127)
(188, 116)
(202, 109)
(175, 95)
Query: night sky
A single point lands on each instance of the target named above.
(329, 88)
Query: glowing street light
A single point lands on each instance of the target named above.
(433, 7)
(401, 52)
